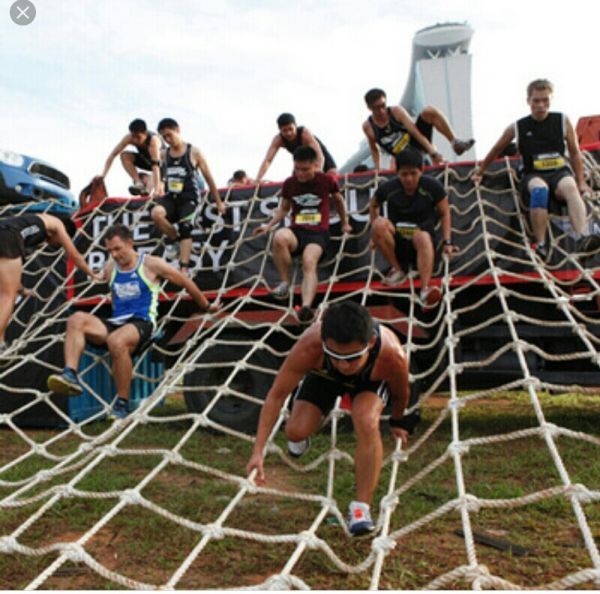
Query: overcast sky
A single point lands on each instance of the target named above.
(72, 81)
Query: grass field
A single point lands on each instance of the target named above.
(148, 547)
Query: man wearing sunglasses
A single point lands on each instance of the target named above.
(346, 352)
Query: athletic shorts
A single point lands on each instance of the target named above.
(322, 391)
(145, 329)
(11, 244)
(405, 251)
(328, 162)
(305, 236)
(551, 178)
(180, 208)
(142, 162)
(426, 130)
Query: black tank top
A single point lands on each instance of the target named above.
(542, 143)
(364, 375)
(143, 149)
(292, 145)
(393, 137)
(181, 179)
(29, 226)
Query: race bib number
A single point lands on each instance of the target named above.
(406, 230)
(401, 144)
(308, 218)
(548, 161)
(175, 186)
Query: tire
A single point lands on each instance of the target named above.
(229, 410)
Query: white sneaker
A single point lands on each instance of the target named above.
(298, 448)
(171, 251)
(359, 519)
(281, 291)
(393, 277)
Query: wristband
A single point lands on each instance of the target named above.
(155, 162)
(447, 242)
(407, 422)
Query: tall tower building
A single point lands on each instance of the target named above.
(440, 75)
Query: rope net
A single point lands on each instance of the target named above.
(221, 366)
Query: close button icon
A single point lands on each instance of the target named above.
(22, 12)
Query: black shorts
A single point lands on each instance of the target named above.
(405, 251)
(145, 329)
(179, 208)
(551, 178)
(426, 130)
(11, 244)
(328, 162)
(305, 236)
(142, 162)
(322, 390)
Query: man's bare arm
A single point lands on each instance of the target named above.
(275, 145)
(116, 151)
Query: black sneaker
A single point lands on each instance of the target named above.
(542, 251)
(587, 244)
(306, 315)
(462, 146)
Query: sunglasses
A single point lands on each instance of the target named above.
(348, 357)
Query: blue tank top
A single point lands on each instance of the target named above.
(133, 295)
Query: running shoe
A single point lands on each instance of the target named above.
(281, 291)
(171, 251)
(393, 277)
(65, 384)
(359, 519)
(462, 146)
(430, 296)
(298, 448)
(119, 410)
(587, 244)
(542, 251)
(306, 315)
(138, 189)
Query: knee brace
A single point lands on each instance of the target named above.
(539, 197)
(185, 230)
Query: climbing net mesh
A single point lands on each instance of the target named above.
(60, 473)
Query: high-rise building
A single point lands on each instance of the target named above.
(440, 75)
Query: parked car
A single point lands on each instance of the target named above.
(27, 179)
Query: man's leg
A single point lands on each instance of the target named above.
(159, 216)
(567, 190)
(423, 245)
(304, 420)
(128, 161)
(10, 282)
(310, 259)
(186, 213)
(538, 208)
(434, 117)
(383, 238)
(81, 327)
(366, 413)
(121, 344)
(284, 245)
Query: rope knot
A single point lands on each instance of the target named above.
(310, 540)
(85, 447)
(581, 493)
(214, 531)
(550, 429)
(477, 571)
(110, 450)
(174, 457)
(8, 544)
(277, 582)
(74, 552)
(131, 497)
(383, 544)
(471, 502)
(400, 456)
(389, 502)
(44, 475)
(458, 448)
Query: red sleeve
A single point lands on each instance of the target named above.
(333, 185)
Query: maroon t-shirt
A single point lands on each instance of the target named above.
(310, 201)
